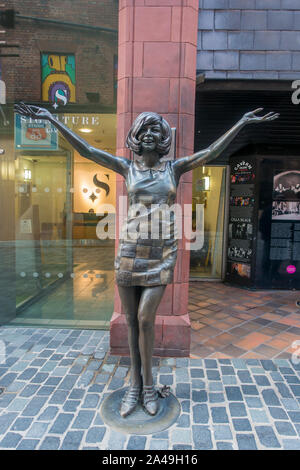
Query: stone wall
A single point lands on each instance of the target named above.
(257, 39)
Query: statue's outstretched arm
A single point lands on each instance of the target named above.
(214, 150)
(118, 164)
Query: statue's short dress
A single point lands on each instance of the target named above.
(147, 250)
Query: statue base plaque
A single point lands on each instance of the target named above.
(139, 421)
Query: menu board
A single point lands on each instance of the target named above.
(241, 218)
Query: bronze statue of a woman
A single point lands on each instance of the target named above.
(144, 265)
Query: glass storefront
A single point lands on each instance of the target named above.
(56, 271)
(64, 272)
(209, 193)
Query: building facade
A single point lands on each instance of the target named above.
(97, 65)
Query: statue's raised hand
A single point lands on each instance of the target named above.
(31, 111)
(252, 117)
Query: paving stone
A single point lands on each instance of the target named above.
(268, 364)
(267, 436)
(237, 409)
(6, 399)
(210, 363)
(246, 442)
(227, 370)
(50, 443)
(258, 416)
(182, 362)
(116, 440)
(202, 437)
(215, 386)
(222, 432)
(229, 380)
(294, 416)
(117, 383)
(21, 424)
(91, 401)
(224, 446)
(277, 413)
(296, 390)
(241, 424)
(290, 404)
(213, 375)
(181, 436)
(136, 443)
(34, 406)
(200, 396)
(95, 435)
(49, 413)
(270, 397)
(8, 379)
(28, 444)
(183, 421)
(61, 423)
(96, 388)
(83, 419)
(249, 390)
(233, 394)
(86, 378)
(6, 420)
(156, 444)
(198, 384)
(68, 382)
(37, 430)
(261, 380)
(291, 444)
(216, 397)
(254, 402)
(18, 404)
(285, 428)
(76, 394)
(40, 377)
(71, 405)
(59, 397)
(219, 415)
(182, 390)
(10, 440)
(244, 377)
(283, 390)
(72, 440)
(186, 406)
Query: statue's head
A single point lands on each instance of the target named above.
(143, 120)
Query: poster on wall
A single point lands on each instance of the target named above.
(34, 134)
(284, 254)
(241, 220)
(58, 79)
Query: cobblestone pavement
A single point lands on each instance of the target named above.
(52, 382)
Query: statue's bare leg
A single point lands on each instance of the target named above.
(149, 302)
(130, 297)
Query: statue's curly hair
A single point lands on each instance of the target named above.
(144, 119)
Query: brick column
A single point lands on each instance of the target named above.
(157, 72)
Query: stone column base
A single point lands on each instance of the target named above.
(169, 331)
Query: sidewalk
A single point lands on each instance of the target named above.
(53, 381)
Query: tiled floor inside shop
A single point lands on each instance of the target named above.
(231, 322)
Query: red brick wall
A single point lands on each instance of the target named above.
(94, 51)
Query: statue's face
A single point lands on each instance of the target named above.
(150, 135)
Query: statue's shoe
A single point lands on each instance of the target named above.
(150, 400)
(130, 401)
